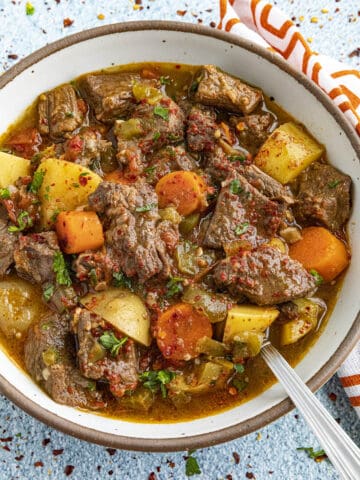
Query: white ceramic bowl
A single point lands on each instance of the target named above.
(183, 43)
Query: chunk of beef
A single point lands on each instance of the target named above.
(168, 159)
(111, 94)
(242, 213)
(218, 165)
(253, 130)
(50, 359)
(59, 112)
(7, 243)
(323, 197)
(94, 268)
(221, 90)
(265, 276)
(97, 363)
(88, 148)
(131, 219)
(167, 238)
(201, 127)
(34, 257)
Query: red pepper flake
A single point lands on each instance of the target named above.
(138, 2)
(212, 24)
(38, 464)
(57, 452)
(152, 476)
(13, 56)
(6, 439)
(67, 22)
(158, 469)
(19, 458)
(6, 448)
(45, 442)
(68, 470)
(332, 396)
(110, 472)
(236, 458)
(181, 13)
(111, 451)
(249, 475)
(229, 477)
(98, 468)
(270, 472)
(296, 416)
(354, 53)
(170, 463)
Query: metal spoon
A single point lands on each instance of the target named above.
(341, 450)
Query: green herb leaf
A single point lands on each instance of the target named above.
(23, 221)
(37, 181)
(192, 467)
(146, 208)
(55, 215)
(29, 8)
(93, 277)
(239, 367)
(236, 158)
(121, 280)
(194, 87)
(75, 185)
(69, 114)
(150, 170)
(60, 269)
(91, 386)
(109, 341)
(165, 80)
(240, 385)
(312, 453)
(156, 136)
(161, 112)
(48, 292)
(174, 287)
(333, 184)
(4, 193)
(318, 278)
(156, 380)
(242, 228)
(235, 187)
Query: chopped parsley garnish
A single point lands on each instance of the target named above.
(165, 80)
(121, 280)
(69, 114)
(29, 8)
(242, 228)
(156, 380)
(23, 221)
(333, 184)
(109, 341)
(91, 386)
(192, 466)
(150, 170)
(55, 215)
(240, 385)
(318, 278)
(4, 193)
(312, 453)
(235, 187)
(145, 208)
(239, 368)
(37, 181)
(156, 136)
(236, 158)
(48, 292)
(161, 112)
(174, 287)
(75, 185)
(61, 271)
(194, 87)
(173, 138)
(93, 277)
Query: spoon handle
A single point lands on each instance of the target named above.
(341, 450)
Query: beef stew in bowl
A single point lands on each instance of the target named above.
(158, 221)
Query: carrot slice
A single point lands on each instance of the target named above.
(117, 176)
(320, 250)
(178, 331)
(78, 231)
(184, 190)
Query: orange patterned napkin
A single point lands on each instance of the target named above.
(268, 26)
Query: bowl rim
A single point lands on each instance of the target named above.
(273, 413)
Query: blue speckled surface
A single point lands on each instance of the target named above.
(269, 454)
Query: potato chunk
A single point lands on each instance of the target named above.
(66, 186)
(287, 152)
(124, 310)
(246, 318)
(11, 168)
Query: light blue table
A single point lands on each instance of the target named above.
(26, 446)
